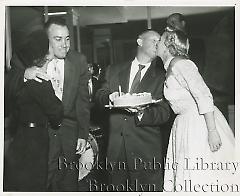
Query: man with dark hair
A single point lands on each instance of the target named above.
(135, 138)
(68, 72)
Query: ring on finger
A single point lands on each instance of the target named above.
(216, 148)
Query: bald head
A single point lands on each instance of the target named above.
(147, 34)
(147, 45)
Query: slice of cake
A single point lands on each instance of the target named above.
(133, 99)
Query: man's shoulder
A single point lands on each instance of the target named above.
(159, 67)
(122, 65)
(77, 59)
(74, 54)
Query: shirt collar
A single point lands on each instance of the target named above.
(59, 61)
(167, 63)
(136, 62)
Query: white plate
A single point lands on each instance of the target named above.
(134, 106)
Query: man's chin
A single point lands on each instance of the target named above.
(153, 56)
(61, 56)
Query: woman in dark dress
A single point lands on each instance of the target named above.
(38, 108)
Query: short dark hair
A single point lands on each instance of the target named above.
(33, 50)
(176, 21)
(54, 20)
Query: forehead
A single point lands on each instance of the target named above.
(151, 35)
(58, 30)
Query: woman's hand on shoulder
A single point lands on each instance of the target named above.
(35, 73)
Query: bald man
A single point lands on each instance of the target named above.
(134, 156)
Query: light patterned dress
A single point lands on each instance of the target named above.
(189, 157)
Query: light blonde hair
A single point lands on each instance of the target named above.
(177, 43)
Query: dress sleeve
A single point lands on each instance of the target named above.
(186, 73)
(44, 95)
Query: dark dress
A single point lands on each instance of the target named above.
(26, 163)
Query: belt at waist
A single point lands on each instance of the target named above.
(34, 124)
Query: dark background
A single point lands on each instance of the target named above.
(212, 42)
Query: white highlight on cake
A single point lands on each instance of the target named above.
(134, 99)
(120, 90)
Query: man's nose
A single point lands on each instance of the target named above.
(64, 43)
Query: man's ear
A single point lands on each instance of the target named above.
(183, 23)
(50, 50)
(139, 42)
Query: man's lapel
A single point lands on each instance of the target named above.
(148, 78)
(69, 76)
(124, 76)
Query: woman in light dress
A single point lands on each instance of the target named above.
(201, 141)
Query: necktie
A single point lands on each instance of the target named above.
(137, 79)
(57, 80)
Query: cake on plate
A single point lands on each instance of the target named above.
(134, 99)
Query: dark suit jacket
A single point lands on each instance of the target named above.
(75, 91)
(143, 139)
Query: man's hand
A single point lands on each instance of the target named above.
(35, 73)
(113, 96)
(81, 146)
(137, 109)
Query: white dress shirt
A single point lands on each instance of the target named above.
(50, 70)
(134, 70)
